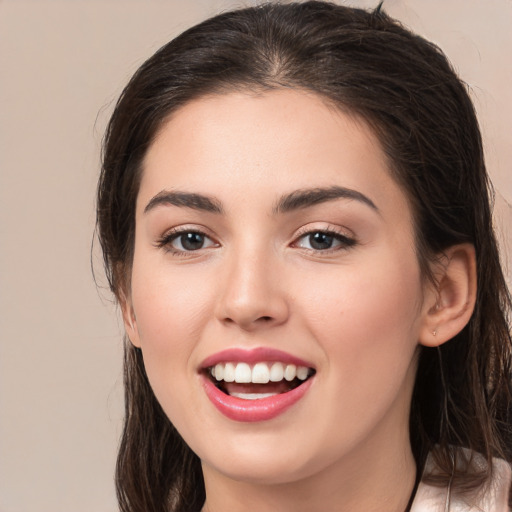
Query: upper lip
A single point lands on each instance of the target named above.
(255, 355)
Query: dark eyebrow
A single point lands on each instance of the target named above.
(185, 199)
(310, 197)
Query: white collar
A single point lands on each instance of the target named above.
(494, 499)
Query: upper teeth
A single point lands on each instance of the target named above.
(260, 373)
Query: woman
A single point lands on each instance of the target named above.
(294, 213)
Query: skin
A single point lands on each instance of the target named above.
(356, 312)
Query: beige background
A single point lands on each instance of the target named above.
(62, 64)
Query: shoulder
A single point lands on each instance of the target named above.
(493, 498)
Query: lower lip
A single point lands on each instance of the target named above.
(262, 409)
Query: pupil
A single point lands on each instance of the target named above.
(192, 241)
(320, 241)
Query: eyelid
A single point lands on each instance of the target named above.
(324, 227)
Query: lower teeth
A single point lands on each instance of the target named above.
(253, 396)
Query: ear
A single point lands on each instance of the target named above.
(129, 319)
(449, 303)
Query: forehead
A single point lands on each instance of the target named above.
(273, 141)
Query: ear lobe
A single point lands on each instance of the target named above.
(450, 304)
(129, 320)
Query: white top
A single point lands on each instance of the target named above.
(494, 499)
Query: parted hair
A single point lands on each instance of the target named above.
(367, 64)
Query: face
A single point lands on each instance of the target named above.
(274, 250)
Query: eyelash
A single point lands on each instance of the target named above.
(165, 242)
(345, 242)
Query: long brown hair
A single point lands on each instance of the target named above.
(403, 86)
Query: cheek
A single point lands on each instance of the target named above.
(171, 309)
(367, 316)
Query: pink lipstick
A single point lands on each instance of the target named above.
(255, 385)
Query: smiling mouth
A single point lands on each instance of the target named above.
(257, 381)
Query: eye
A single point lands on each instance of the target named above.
(324, 241)
(186, 241)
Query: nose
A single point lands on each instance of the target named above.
(252, 297)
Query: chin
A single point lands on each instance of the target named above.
(264, 472)
(263, 461)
